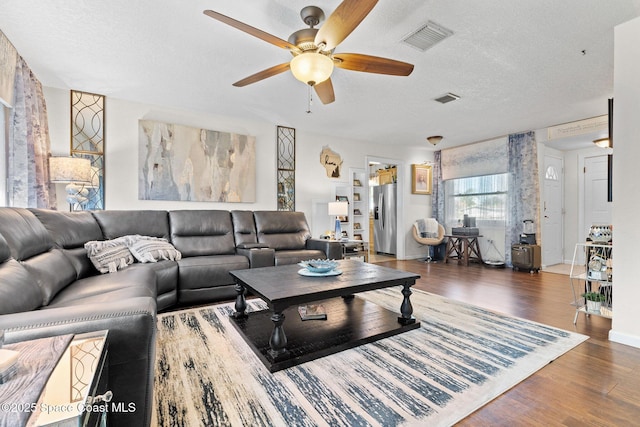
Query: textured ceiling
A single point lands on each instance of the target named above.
(516, 64)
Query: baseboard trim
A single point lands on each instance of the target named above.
(626, 339)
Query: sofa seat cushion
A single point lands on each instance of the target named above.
(166, 274)
(293, 257)
(104, 297)
(208, 271)
(140, 281)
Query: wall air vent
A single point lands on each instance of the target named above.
(427, 36)
(447, 98)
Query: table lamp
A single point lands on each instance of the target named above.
(76, 173)
(338, 209)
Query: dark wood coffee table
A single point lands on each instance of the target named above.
(350, 321)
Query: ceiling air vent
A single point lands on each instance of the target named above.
(427, 36)
(447, 98)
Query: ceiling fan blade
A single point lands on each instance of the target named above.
(252, 30)
(343, 21)
(372, 64)
(325, 91)
(269, 72)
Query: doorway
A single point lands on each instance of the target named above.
(552, 212)
(385, 165)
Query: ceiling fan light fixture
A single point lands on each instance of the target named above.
(311, 68)
(602, 142)
(434, 140)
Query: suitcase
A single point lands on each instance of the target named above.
(526, 257)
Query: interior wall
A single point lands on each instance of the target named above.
(312, 183)
(626, 204)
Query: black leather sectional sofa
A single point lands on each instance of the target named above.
(49, 286)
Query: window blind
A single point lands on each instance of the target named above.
(481, 158)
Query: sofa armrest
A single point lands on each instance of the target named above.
(258, 257)
(132, 339)
(331, 248)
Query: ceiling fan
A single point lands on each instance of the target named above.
(313, 48)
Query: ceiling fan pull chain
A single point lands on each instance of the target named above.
(310, 99)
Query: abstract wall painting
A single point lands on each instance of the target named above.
(183, 163)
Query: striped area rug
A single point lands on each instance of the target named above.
(462, 357)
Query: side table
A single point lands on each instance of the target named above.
(462, 248)
(355, 249)
(70, 396)
(77, 391)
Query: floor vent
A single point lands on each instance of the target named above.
(447, 98)
(427, 36)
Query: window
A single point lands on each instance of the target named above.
(482, 197)
(551, 174)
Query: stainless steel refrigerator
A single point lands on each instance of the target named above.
(384, 218)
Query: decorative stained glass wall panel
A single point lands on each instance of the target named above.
(87, 140)
(286, 178)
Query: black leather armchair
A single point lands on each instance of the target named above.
(288, 234)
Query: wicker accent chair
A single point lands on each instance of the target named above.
(429, 241)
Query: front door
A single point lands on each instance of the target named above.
(552, 232)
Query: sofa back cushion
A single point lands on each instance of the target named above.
(116, 224)
(52, 271)
(25, 235)
(70, 231)
(31, 245)
(5, 251)
(282, 230)
(18, 290)
(244, 227)
(202, 232)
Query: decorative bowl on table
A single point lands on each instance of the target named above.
(318, 265)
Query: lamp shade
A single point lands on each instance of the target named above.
(311, 67)
(602, 142)
(434, 140)
(338, 208)
(70, 169)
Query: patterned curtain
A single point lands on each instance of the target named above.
(29, 146)
(437, 193)
(524, 188)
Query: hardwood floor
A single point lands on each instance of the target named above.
(597, 383)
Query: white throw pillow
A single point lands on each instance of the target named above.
(109, 256)
(153, 249)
